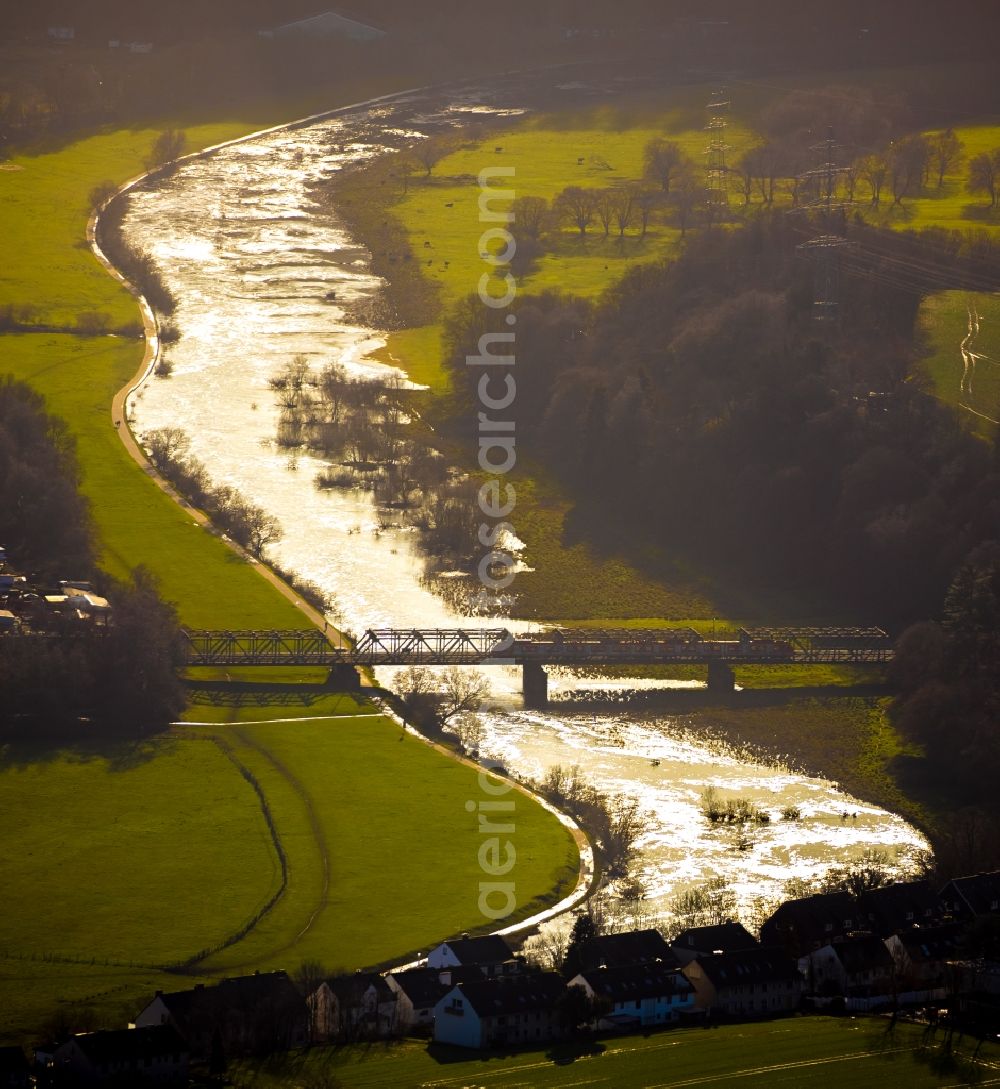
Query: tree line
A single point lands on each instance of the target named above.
(75, 681)
(702, 405)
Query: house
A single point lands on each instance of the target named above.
(637, 995)
(248, 1014)
(746, 983)
(418, 991)
(14, 1070)
(327, 24)
(859, 967)
(902, 904)
(724, 938)
(799, 926)
(61, 33)
(802, 925)
(922, 953)
(966, 898)
(361, 1006)
(630, 947)
(154, 1055)
(489, 953)
(498, 1012)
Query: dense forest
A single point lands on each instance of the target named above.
(702, 403)
(73, 679)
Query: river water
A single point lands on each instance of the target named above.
(263, 273)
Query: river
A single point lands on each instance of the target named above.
(255, 262)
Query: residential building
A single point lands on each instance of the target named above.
(361, 1006)
(489, 953)
(630, 947)
(418, 991)
(637, 995)
(922, 954)
(247, 1014)
(725, 938)
(967, 898)
(490, 1013)
(15, 1073)
(746, 983)
(141, 1056)
(859, 967)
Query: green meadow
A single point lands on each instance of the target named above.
(121, 864)
(814, 1051)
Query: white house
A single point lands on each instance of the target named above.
(489, 953)
(62, 33)
(327, 24)
(499, 1012)
(637, 995)
(418, 991)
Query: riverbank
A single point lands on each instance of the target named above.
(137, 523)
(579, 567)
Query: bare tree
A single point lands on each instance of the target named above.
(623, 207)
(167, 146)
(531, 216)
(647, 201)
(577, 206)
(406, 167)
(436, 704)
(166, 445)
(874, 169)
(908, 160)
(710, 904)
(686, 200)
(663, 161)
(604, 206)
(764, 164)
(984, 175)
(430, 152)
(946, 152)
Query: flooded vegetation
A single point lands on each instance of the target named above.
(270, 291)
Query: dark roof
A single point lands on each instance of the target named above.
(240, 993)
(810, 921)
(632, 981)
(422, 986)
(516, 994)
(862, 954)
(901, 904)
(725, 937)
(126, 1044)
(489, 949)
(630, 947)
(931, 942)
(764, 964)
(352, 988)
(12, 1059)
(978, 893)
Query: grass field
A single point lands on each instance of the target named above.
(813, 1051)
(394, 833)
(165, 854)
(149, 857)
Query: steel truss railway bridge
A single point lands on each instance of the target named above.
(534, 651)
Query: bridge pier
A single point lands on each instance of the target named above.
(343, 678)
(721, 678)
(534, 686)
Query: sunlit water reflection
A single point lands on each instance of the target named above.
(262, 273)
